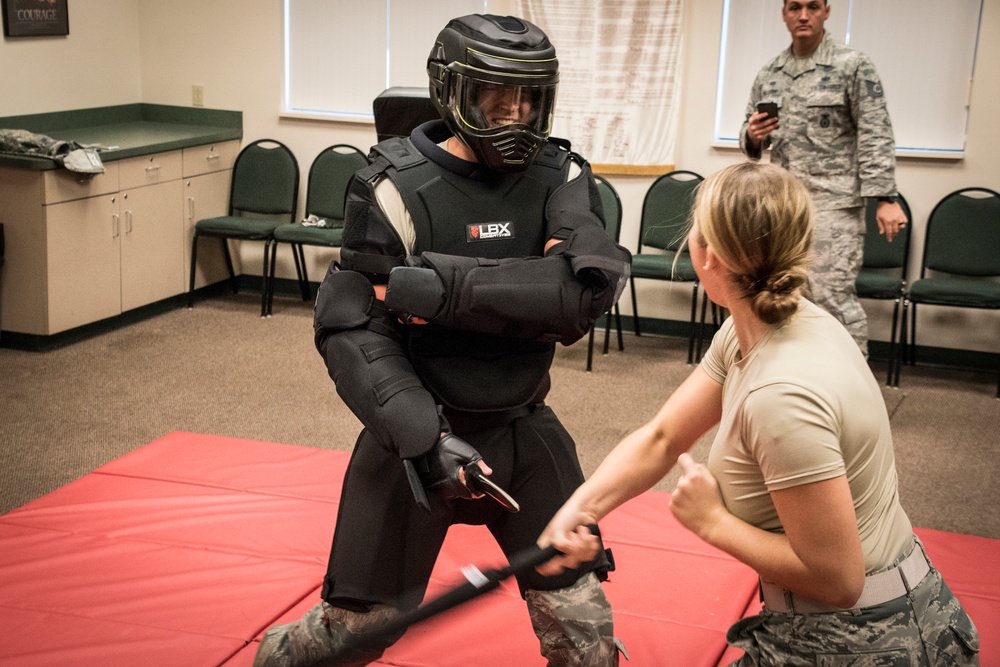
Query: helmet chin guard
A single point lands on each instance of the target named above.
(494, 79)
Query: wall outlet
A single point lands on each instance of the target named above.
(198, 96)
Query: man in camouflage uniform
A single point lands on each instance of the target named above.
(834, 134)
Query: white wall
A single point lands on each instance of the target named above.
(122, 51)
(96, 65)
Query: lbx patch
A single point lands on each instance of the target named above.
(874, 88)
(488, 231)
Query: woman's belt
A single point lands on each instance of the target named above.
(880, 587)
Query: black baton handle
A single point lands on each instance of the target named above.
(486, 581)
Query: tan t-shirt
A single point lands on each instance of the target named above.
(804, 407)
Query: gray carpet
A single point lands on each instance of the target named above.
(220, 369)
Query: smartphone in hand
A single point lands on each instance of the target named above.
(769, 108)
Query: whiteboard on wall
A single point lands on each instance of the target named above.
(924, 51)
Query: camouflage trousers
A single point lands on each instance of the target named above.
(925, 628)
(838, 249)
(574, 625)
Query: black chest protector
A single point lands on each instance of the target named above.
(502, 217)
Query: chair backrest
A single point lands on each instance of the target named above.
(879, 253)
(666, 209)
(265, 180)
(963, 234)
(612, 204)
(329, 177)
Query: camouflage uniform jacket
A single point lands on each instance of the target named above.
(835, 133)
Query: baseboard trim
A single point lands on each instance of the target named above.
(878, 350)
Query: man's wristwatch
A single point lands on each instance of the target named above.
(892, 199)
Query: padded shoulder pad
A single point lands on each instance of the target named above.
(554, 154)
(400, 152)
(344, 301)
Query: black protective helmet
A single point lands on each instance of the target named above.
(481, 65)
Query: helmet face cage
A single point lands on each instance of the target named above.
(497, 93)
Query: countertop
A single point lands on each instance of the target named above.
(125, 131)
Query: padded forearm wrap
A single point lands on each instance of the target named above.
(535, 298)
(538, 298)
(355, 334)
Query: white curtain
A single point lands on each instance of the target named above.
(619, 76)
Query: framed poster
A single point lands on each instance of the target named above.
(35, 18)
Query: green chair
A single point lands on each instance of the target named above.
(612, 205)
(961, 261)
(263, 195)
(329, 177)
(666, 210)
(883, 271)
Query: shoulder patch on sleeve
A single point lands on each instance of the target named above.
(874, 88)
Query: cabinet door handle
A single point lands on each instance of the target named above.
(213, 156)
(191, 208)
(115, 225)
(153, 167)
(128, 222)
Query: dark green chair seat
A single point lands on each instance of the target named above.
(872, 285)
(263, 195)
(332, 237)
(326, 195)
(242, 228)
(963, 292)
(662, 267)
(666, 213)
(961, 262)
(883, 271)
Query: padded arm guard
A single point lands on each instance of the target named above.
(357, 337)
(539, 298)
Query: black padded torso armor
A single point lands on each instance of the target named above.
(493, 217)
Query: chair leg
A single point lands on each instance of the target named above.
(893, 341)
(701, 326)
(229, 264)
(635, 307)
(691, 332)
(194, 264)
(299, 255)
(272, 281)
(590, 349)
(306, 290)
(913, 334)
(266, 272)
(607, 331)
(618, 327)
(904, 341)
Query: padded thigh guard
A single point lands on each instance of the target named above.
(357, 337)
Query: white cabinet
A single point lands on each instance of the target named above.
(83, 247)
(208, 171)
(80, 250)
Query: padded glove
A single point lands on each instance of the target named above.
(438, 468)
(415, 290)
(438, 472)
